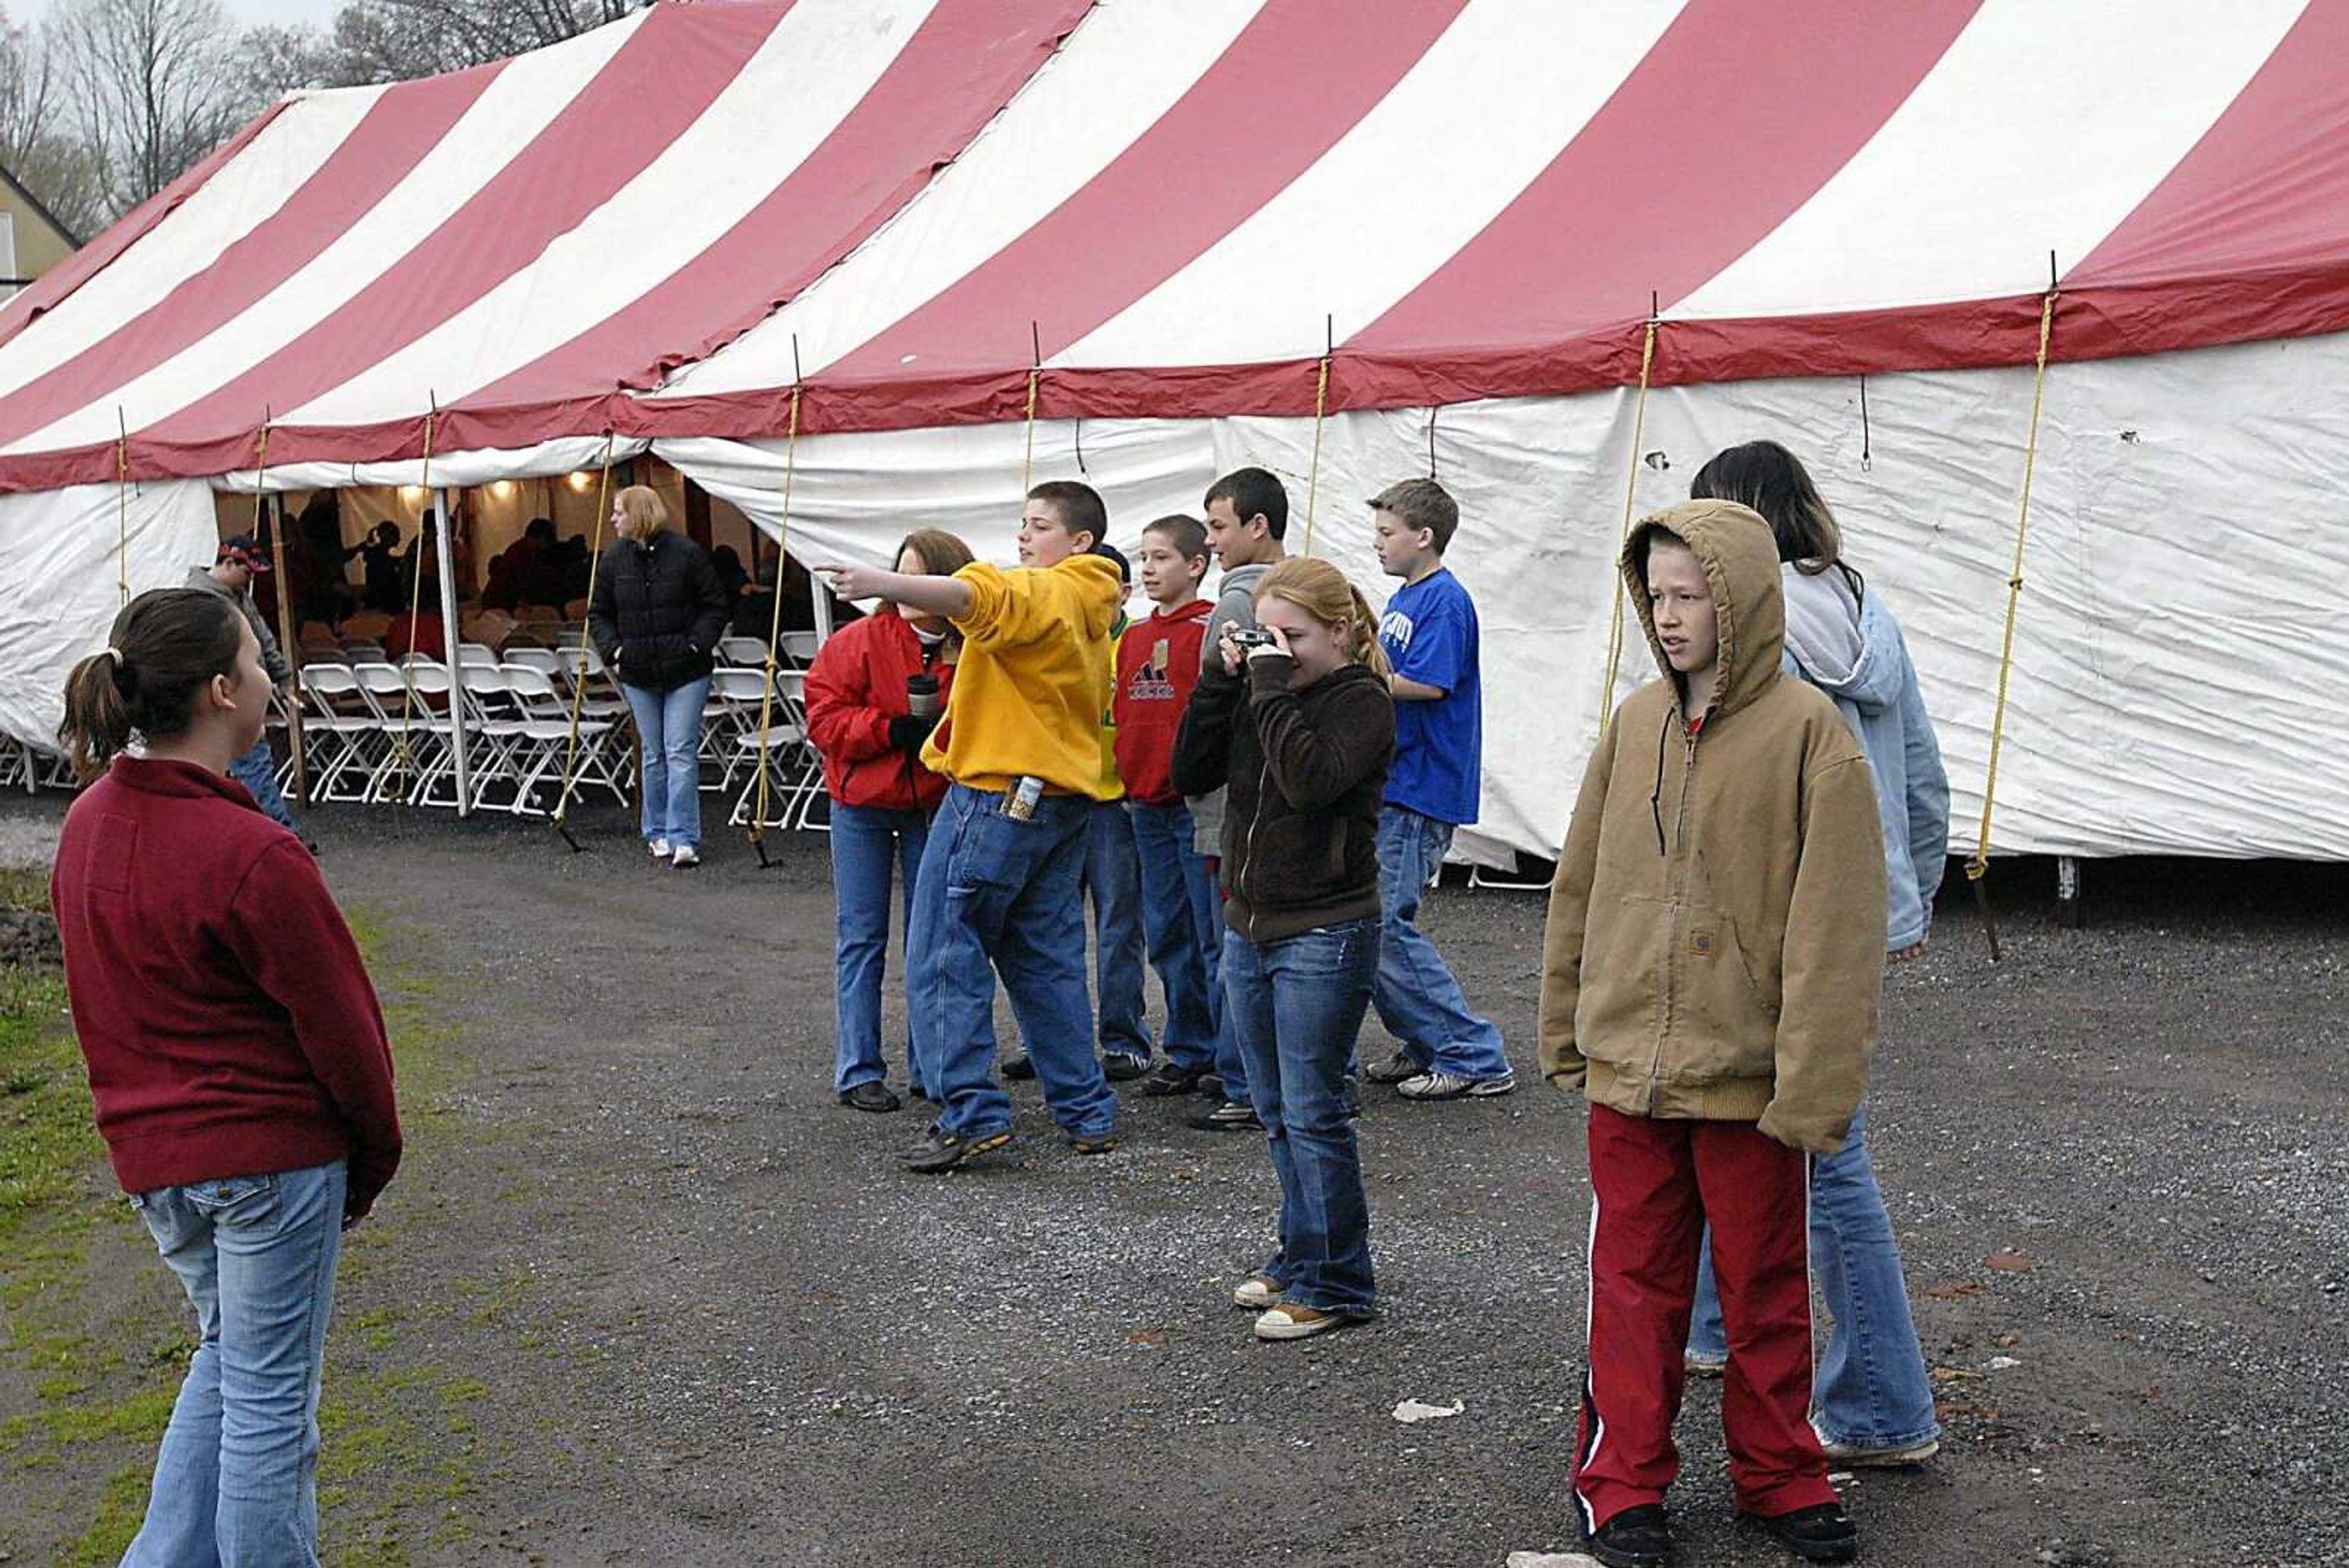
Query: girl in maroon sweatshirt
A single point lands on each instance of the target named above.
(236, 1055)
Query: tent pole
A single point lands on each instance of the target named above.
(450, 637)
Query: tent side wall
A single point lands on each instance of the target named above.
(67, 552)
(2182, 578)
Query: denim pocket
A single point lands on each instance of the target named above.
(232, 1195)
(992, 850)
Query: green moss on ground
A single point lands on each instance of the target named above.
(102, 1355)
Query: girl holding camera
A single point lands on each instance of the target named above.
(1294, 720)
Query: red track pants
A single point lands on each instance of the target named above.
(1653, 1184)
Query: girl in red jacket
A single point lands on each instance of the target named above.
(236, 1055)
(861, 719)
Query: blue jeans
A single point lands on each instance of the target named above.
(1207, 918)
(1872, 1389)
(669, 726)
(1113, 887)
(1417, 999)
(865, 840)
(999, 897)
(1162, 838)
(257, 771)
(236, 1480)
(1296, 1006)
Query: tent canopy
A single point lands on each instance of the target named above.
(904, 202)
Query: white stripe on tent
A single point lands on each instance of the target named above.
(1120, 70)
(499, 126)
(2041, 129)
(1483, 112)
(751, 137)
(240, 197)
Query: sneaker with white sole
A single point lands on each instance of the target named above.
(1256, 1293)
(1295, 1320)
(660, 847)
(1862, 1456)
(1398, 1068)
(1703, 1363)
(686, 858)
(1433, 1085)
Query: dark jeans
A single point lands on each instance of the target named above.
(1295, 1006)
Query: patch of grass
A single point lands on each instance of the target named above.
(48, 1141)
(121, 1507)
(24, 887)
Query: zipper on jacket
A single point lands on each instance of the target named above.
(1675, 892)
(1247, 857)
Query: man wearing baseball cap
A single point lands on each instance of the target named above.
(231, 575)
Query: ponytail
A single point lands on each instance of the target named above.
(164, 646)
(1363, 646)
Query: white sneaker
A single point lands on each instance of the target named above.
(660, 847)
(1856, 1455)
(686, 858)
(1256, 1293)
(1435, 1086)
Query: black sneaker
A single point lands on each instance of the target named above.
(872, 1096)
(1232, 1116)
(1018, 1065)
(1820, 1533)
(941, 1151)
(1123, 1067)
(1638, 1537)
(1167, 1078)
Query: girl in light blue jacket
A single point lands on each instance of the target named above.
(1874, 1400)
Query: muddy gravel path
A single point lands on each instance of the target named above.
(676, 1306)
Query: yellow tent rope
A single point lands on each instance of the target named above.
(1313, 470)
(290, 649)
(1979, 866)
(758, 830)
(579, 671)
(1027, 463)
(1631, 493)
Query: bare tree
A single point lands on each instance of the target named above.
(151, 86)
(50, 164)
(392, 40)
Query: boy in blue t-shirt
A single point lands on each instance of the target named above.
(1429, 632)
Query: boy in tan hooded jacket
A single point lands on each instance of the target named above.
(1711, 978)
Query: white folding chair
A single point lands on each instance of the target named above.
(794, 772)
(545, 716)
(342, 731)
(17, 765)
(744, 652)
(417, 737)
(799, 647)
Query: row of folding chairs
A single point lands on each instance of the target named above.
(381, 732)
(793, 650)
(733, 742)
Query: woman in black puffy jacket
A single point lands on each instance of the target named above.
(659, 612)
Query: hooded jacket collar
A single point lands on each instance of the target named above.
(1740, 557)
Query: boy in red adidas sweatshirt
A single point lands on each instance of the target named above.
(1157, 665)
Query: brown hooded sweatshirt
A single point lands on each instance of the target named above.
(1715, 948)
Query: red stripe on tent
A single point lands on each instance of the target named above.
(960, 67)
(93, 258)
(1248, 128)
(654, 86)
(1733, 120)
(402, 126)
(2245, 238)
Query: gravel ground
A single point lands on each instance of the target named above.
(747, 1336)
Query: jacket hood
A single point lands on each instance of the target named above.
(1871, 680)
(1740, 556)
(1100, 592)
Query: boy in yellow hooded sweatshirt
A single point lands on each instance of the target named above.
(1000, 889)
(1710, 979)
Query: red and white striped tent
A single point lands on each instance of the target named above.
(1179, 228)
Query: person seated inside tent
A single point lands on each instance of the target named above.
(519, 569)
(379, 556)
(322, 590)
(420, 632)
